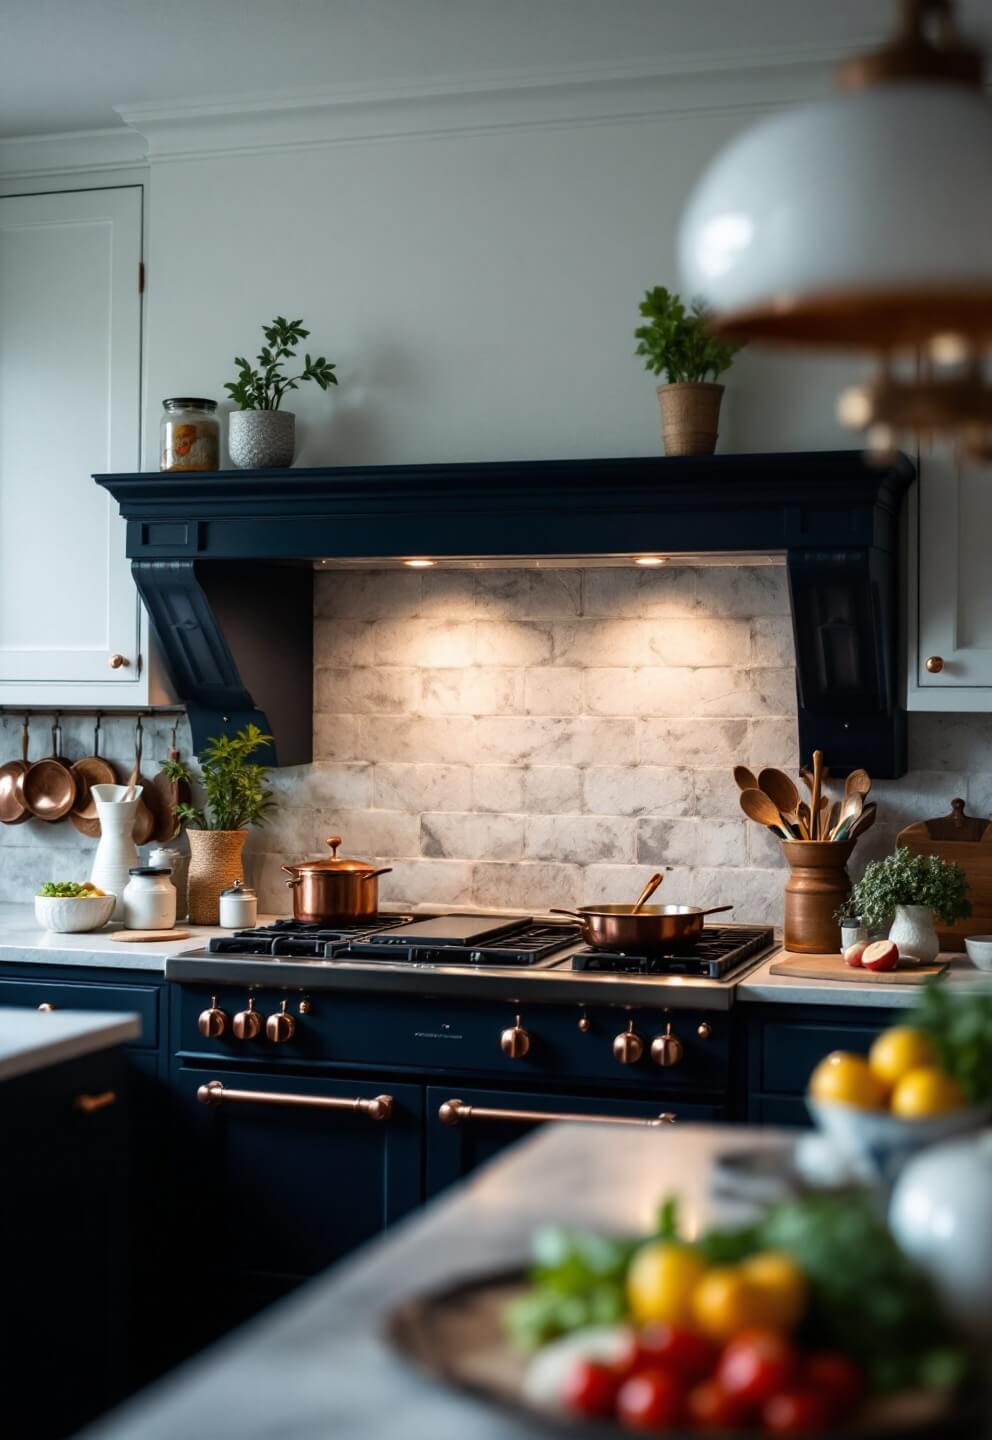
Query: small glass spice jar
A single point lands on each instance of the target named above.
(238, 907)
(149, 899)
(190, 435)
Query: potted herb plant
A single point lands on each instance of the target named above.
(236, 794)
(905, 892)
(260, 432)
(676, 342)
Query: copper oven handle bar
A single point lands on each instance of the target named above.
(216, 1093)
(456, 1112)
(90, 1104)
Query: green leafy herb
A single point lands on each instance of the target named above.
(678, 341)
(905, 879)
(961, 1030)
(67, 889)
(262, 388)
(235, 786)
(579, 1279)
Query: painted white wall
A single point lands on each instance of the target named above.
(478, 291)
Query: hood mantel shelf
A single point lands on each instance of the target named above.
(209, 555)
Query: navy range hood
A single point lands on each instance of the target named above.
(224, 562)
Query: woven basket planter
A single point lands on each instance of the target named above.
(690, 413)
(215, 863)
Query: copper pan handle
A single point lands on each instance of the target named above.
(572, 914)
(715, 910)
(456, 1112)
(373, 874)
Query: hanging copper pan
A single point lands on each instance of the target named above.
(13, 811)
(48, 787)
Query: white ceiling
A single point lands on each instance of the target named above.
(65, 63)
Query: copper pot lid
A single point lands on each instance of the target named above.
(337, 864)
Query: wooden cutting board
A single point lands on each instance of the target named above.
(940, 837)
(136, 937)
(833, 967)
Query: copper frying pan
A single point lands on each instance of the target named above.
(89, 771)
(48, 787)
(652, 927)
(13, 811)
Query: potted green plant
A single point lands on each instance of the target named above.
(260, 433)
(235, 794)
(905, 892)
(677, 342)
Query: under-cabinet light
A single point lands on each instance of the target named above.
(420, 564)
(649, 559)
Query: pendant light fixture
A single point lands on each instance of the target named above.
(864, 223)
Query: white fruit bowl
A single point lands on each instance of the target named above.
(73, 914)
(881, 1143)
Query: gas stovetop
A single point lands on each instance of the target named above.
(491, 942)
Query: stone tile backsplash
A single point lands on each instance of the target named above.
(519, 738)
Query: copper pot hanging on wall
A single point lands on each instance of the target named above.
(329, 891)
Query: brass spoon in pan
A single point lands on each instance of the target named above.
(13, 811)
(647, 892)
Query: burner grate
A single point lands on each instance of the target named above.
(721, 948)
(298, 940)
(528, 945)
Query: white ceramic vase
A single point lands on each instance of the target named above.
(261, 439)
(913, 931)
(116, 852)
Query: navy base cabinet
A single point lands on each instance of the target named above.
(786, 1042)
(65, 1224)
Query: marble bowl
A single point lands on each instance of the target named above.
(73, 914)
(881, 1143)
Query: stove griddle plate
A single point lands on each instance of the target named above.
(465, 930)
(524, 942)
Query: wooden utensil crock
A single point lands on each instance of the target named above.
(817, 886)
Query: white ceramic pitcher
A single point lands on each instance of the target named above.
(116, 852)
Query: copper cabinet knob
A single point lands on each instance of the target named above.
(280, 1027)
(117, 662)
(585, 1024)
(934, 664)
(247, 1024)
(515, 1040)
(704, 1030)
(213, 1022)
(628, 1047)
(667, 1049)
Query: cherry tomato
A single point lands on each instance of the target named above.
(590, 1388)
(802, 1411)
(676, 1348)
(835, 1376)
(711, 1408)
(756, 1364)
(650, 1400)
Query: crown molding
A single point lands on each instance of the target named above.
(35, 157)
(500, 100)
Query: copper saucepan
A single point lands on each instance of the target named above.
(326, 892)
(652, 927)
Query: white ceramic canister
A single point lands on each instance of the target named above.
(149, 899)
(116, 852)
(178, 863)
(238, 907)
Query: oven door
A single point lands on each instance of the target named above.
(284, 1174)
(465, 1128)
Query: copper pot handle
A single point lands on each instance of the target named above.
(290, 870)
(373, 874)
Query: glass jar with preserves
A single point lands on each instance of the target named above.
(190, 435)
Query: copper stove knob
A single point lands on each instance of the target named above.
(704, 1030)
(667, 1049)
(628, 1047)
(213, 1022)
(515, 1040)
(247, 1024)
(280, 1027)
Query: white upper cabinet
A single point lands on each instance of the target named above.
(72, 631)
(950, 630)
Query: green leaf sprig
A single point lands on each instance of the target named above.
(905, 879)
(236, 789)
(678, 342)
(262, 388)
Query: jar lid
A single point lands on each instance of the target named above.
(150, 870)
(183, 402)
(339, 864)
(239, 888)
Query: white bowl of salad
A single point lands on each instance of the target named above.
(69, 908)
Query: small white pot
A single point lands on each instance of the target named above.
(261, 439)
(913, 931)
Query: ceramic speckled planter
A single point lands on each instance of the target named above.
(261, 439)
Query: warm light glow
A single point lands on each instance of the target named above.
(420, 564)
(649, 559)
(949, 349)
(722, 241)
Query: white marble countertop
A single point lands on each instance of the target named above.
(23, 941)
(31, 1041)
(315, 1364)
(760, 985)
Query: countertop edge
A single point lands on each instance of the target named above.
(70, 1037)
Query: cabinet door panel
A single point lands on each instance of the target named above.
(455, 1150)
(955, 587)
(70, 367)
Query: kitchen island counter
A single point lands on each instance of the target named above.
(31, 1042)
(317, 1364)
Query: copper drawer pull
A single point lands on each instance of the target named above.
(216, 1093)
(456, 1112)
(90, 1104)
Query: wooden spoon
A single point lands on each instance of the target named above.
(144, 818)
(849, 811)
(857, 783)
(864, 822)
(13, 811)
(745, 778)
(169, 793)
(814, 794)
(805, 820)
(757, 806)
(783, 793)
(647, 892)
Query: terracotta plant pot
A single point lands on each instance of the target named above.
(690, 413)
(214, 864)
(814, 892)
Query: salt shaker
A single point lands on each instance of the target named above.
(238, 907)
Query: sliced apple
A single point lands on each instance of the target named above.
(880, 955)
(853, 953)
